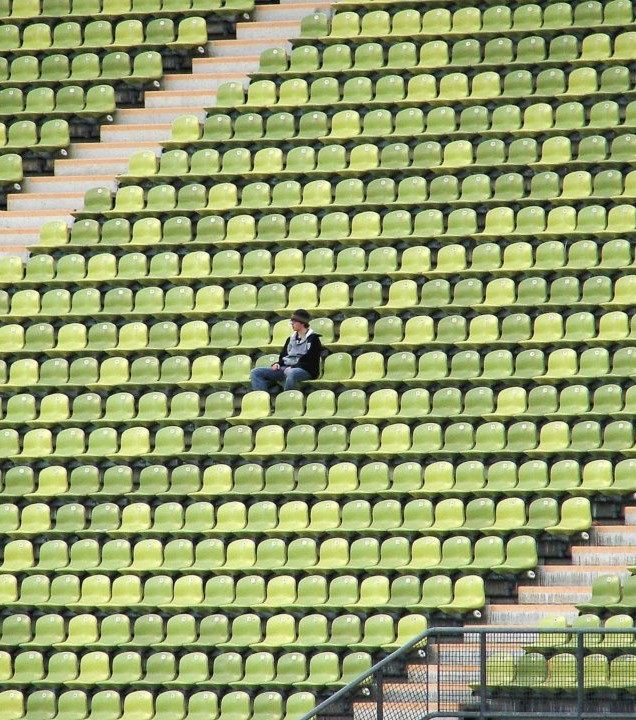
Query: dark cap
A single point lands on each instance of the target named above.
(302, 316)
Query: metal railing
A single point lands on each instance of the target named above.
(496, 672)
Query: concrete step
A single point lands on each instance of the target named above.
(156, 116)
(418, 692)
(527, 614)
(450, 672)
(243, 47)
(400, 711)
(7, 251)
(613, 535)
(149, 133)
(610, 556)
(109, 150)
(191, 101)
(268, 31)
(101, 166)
(55, 202)
(195, 82)
(14, 240)
(238, 64)
(33, 220)
(579, 575)
(277, 13)
(464, 655)
(630, 515)
(66, 183)
(553, 594)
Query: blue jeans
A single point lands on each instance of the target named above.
(290, 377)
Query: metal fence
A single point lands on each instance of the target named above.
(488, 673)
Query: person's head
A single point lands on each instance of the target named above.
(300, 320)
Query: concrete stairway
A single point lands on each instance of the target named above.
(557, 588)
(94, 164)
(433, 687)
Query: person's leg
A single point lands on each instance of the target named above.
(263, 376)
(294, 376)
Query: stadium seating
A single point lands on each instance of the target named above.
(550, 662)
(67, 65)
(559, 673)
(456, 214)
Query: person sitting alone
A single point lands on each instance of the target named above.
(299, 358)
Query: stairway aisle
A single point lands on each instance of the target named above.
(559, 587)
(95, 164)
(556, 590)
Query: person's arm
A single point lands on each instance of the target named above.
(282, 354)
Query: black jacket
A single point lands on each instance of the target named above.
(310, 361)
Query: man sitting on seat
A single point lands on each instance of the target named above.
(299, 359)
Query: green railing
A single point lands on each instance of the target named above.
(498, 672)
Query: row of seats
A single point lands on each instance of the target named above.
(374, 592)
(339, 368)
(373, 57)
(321, 405)
(448, 516)
(395, 89)
(21, 10)
(565, 291)
(70, 100)
(483, 330)
(560, 672)
(183, 630)
(610, 592)
(573, 288)
(368, 226)
(532, 118)
(414, 190)
(424, 554)
(102, 34)
(544, 184)
(337, 480)
(364, 440)
(128, 669)
(27, 70)
(414, 261)
(548, 642)
(465, 21)
(25, 135)
(208, 371)
(331, 159)
(473, 189)
(382, 404)
(292, 405)
(164, 705)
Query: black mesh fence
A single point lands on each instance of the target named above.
(497, 673)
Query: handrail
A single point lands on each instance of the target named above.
(457, 631)
(363, 676)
